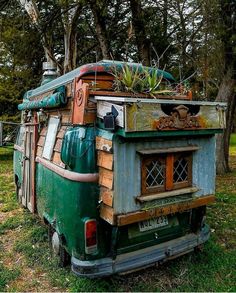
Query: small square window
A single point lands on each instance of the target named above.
(165, 172)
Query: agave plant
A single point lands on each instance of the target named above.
(127, 79)
(130, 78)
(136, 80)
(152, 81)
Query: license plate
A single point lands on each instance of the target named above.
(153, 223)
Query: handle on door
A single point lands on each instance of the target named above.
(20, 161)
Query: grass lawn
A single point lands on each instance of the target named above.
(26, 263)
(233, 139)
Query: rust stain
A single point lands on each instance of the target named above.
(169, 123)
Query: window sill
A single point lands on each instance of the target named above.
(145, 198)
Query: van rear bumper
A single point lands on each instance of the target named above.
(140, 258)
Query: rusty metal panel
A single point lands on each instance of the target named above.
(127, 169)
(146, 117)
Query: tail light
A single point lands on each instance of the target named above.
(90, 229)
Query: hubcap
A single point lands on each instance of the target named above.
(55, 243)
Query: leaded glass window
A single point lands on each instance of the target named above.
(166, 172)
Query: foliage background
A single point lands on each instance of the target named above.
(184, 37)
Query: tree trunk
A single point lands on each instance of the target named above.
(31, 8)
(70, 16)
(143, 43)
(98, 8)
(70, 45)
(226, 94)
(227, 88)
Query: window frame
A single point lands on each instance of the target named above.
(169, 156)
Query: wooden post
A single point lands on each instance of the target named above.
(1, 134)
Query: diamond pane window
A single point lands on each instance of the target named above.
(155, 174)
(180, 170)
(166, 172)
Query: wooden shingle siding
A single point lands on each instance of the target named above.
(39, 151)
(61, 132)
(56, 156)
(43, 132)
(103, 144)
(106, 178)
(56, 159)
(58, 145)
(105, 160)
(106, 195)
(99, 82)
(107, 214)
(65, 115)
(41, 141)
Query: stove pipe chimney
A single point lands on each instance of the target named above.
(50, 72)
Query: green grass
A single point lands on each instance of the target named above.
(23, 240)
(233, 139)
(7, 276)
(233, 144)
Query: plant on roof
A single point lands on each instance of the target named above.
(139, 80)
(127, 79)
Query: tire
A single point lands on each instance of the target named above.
(18, 192)
(57, 249)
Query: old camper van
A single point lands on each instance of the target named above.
(122, 179)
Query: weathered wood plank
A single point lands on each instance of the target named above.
(169, 171)
(69, 88)
(84, 110)
(56, 159)
(105, 178)
(41, 141)
(96, 84)
(105, 160)
(168, 150)
(107, 214)
(43, 132)
(61, 132)
(58, 145)
(39, 151)
(98, 77)
(137, 95)
(162, 211)
(106, 195)
(165, 194)
(66, 117)
(103, 144)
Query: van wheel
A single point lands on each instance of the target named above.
(58, 251)
(18, 192)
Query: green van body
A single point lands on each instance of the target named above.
(66, 204)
